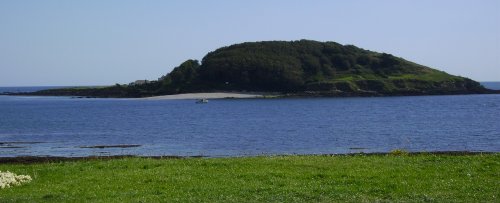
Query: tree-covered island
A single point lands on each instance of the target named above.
(295, 68)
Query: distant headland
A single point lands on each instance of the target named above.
(293, 68)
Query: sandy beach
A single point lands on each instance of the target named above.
(213, 95)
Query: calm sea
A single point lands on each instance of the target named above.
(491, 85)
(28, 89)
(61, 126)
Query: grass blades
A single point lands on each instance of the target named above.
(360, 178)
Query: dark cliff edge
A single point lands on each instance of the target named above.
(295, 68)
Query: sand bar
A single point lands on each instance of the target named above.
(212, 95)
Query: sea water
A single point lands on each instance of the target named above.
(65, 126)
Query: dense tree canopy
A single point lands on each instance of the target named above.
(303, 66)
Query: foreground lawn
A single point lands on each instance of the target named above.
(414, 178)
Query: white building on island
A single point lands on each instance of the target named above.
(139, 82)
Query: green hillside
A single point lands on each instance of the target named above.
(302, 67)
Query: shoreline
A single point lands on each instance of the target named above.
(260, 95)
(49, 159)
(211, 95)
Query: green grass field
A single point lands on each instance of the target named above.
(359, 178)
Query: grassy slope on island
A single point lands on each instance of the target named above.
(359, 178)
(296, 67)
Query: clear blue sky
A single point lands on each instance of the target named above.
(96, 42)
